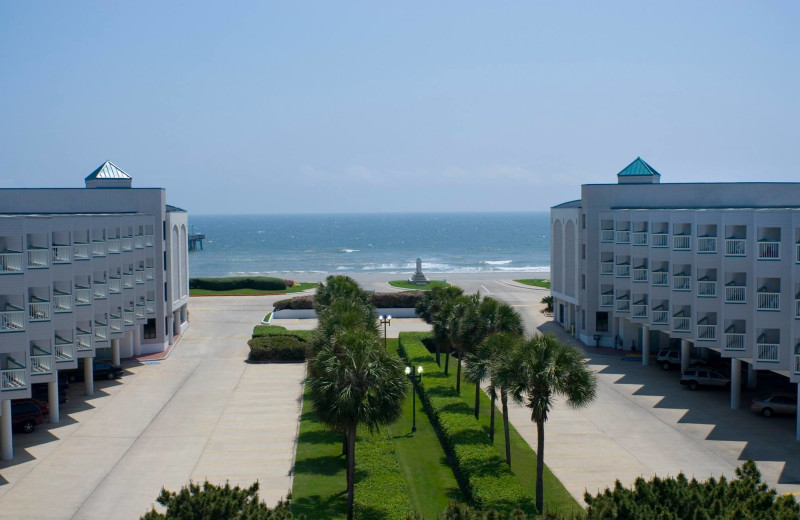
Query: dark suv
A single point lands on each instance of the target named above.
(25, 415)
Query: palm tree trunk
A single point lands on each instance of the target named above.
(351, 470)
(458, 375)
(504, 401)
(438, 351)
(491, 417)
(477, 400)
(344, 443)
(446, 361)
(540, 466)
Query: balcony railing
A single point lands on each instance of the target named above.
(64, 352)
(12, 321)
(623, 305)
(706, 289)
(768, 301)
(606, 235)
(640, 275)
(80, 251)
(127, 281)
(98, 248)
(10, 262)
(660, 279)
(38, 258)
(83, 342)
(127, 317)
(682, 242)
(114, 285)
(62, 303)
(623, 237)
(640, 238)
(659, 240)
(640, 311)
(140, 311)
(113, 245)
(101, 332)
(660, 317)
(83, 296)
(606, 300)
(115, 325)
(100, 290)
(769, 250)
(681, 324)
(768, 352)
(735, 293)
(734, 341)
(138, 242)
(706, 244)
(735, 246)
(62, 254)
(706, 332)
(127, 243)
(41, 365)
(38, 311)
(149, 273)
(623, 271)
(681, 283)
(606, 267)
(14, 379)
(139, 276)
(148, 240)
(150, 305)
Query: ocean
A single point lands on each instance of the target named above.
(291, 246)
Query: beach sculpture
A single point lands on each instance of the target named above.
(418, 278)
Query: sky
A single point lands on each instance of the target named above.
(350, 107)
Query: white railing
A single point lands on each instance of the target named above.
(623, 271)
(101, 332)
(41, 365)
(681, 324)
(734, 341)
(606, 235)
(138, 242)
(623, 237)
(113, 245)
(14, 379)
(37, 258)
(115, 325)
(640, 275)
(706, 288)
(127, 317)
(100, 290)
(769, 250)
(640, 238)
(139, 276)
(768, 351)
(12, 321)
(660, 317)
(640, 311)
(127, 243)
(64, 352)
(139, 310)
(606, 300)
(660, 279)
(98, 248)
(127, 281)
(83, 341)
(768, 301)
(735, 246)
(80, 251)
(623, 305)
(114, 285)
(606, 267)
(83, 296)
(149, 273)
(148, 240)
(62, 303)
(682, 242)
(10, 262)
(38, 311)
(706, 244)
(681, 283)
(735, 294)
(150, 305)
(62, 254)
(659, 240)
(706, 332)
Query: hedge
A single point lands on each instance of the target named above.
(299, 303)
(395, 300)
(380, 488)
(277, 348)
(261, 283)
(276, 330)
(482, 474)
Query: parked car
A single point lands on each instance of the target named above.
(672, 358)
(777, 403)
(697, 377)
(101, 370)
(39, 390)
(25, 416)
(43, 406)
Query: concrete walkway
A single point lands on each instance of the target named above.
(201, 414)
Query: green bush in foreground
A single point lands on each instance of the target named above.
(277, 348)
(277, 330)
(261, 283)
(380, 489)
(397, 300)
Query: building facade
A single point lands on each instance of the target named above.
(100, 271)
(643, 265)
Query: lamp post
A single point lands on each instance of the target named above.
(385, 321)
(413, 375)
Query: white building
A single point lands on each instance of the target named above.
(100, 271)
(644, 265)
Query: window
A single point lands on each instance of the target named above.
(163, 230)
(165, 260)
(150, 329)
(583, 320)
(601, 322)
(583, 251)
(583, 281)
(583, 221)
(165, 291)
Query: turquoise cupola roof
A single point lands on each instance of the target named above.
(638, 172)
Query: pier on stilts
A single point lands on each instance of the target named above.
(195, 240)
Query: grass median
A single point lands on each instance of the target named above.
(403, 284)
(535, 282)
(299, 287)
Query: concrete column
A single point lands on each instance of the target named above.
(736, 383)
(645, 345)
(752, 376)
(137, 340)
(88, 375)
(52, 400)
(176, 317)
(6, 441)
(684, 355)
(115, 351)
(169, 332)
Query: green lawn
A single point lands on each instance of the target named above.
(536, 282)
(299, 287)
(403, 284)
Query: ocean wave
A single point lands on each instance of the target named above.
(350, 250)
(496, 262)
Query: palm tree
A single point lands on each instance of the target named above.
(465, 328)
(354, 382)
(431, 305)
(539, 369)
(341, 314)
(338, 287)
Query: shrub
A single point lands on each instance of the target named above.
(261, 283)
(481, 472)
(400, 300)
(548, 300)
(277, 348)
(289, 283)
(380, 488)
(299, 303)
(275, 330)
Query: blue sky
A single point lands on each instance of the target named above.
(283, 107)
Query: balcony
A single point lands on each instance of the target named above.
(113, 246)
(607, 235)
(149, 273)
(80, 251)
(138, 275)
(127, 243)
(769, 250)
(682, 243)
(13, 379)
(769, 352)
(660, 240)
(640, 275)
(735, 247)
(138, 242)
(10, 262)
(607, 300)
(734, 341)
(62, 302)
(140, 311)
(660, 279)
(681, 283)
(623, 305)
(606, 267)
(41, 365)
(681, 324)
(100, 290)
(150, 306)
(114, 285)
(83, 296)
(623, 237)
(623, 271)
(706, 244)
(62, 254)
(39, 310)
(735, 293)
(127, 281)
(640, 310)
(101, 332)
(127, 317)
(115, 324)
(83, 341)
(38, 258)
(768, 301)
(64, 352)
(706, 289)
(706, 332)
(12, 319)
(98, 248)
(640, 238)
(660, 317)
(148, 240)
